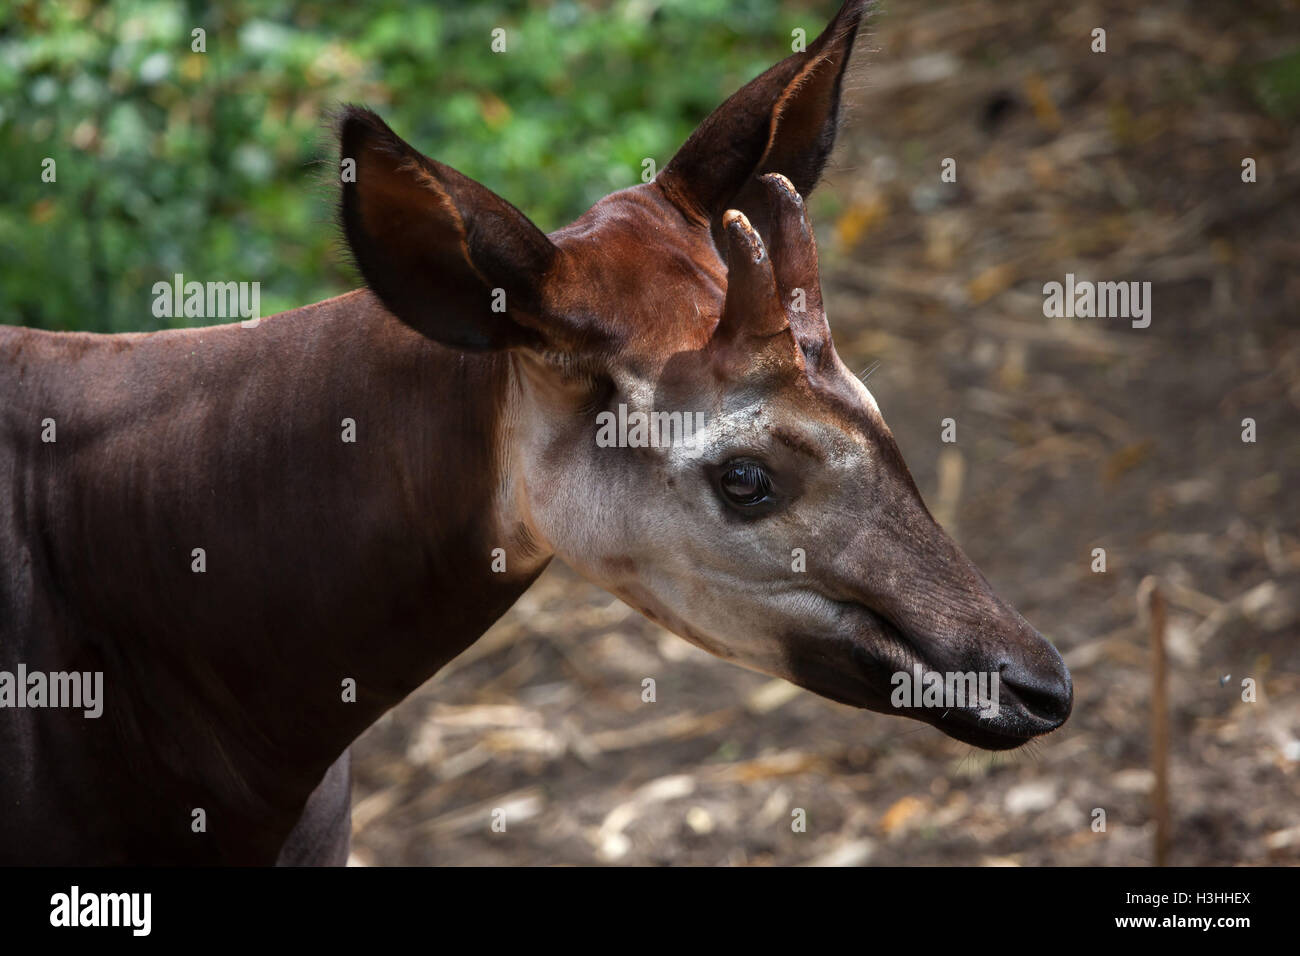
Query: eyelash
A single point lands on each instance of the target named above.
(748, 474)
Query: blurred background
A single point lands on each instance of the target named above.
(1072, 434)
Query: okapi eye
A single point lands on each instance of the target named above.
(745, 483)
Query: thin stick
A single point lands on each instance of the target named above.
(1155, 606)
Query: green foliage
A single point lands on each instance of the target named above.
(1276, 84)
(217, 165)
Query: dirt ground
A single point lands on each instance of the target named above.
(1072, 434)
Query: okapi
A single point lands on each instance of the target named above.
(372, 560)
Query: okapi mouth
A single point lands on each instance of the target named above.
(877, 666)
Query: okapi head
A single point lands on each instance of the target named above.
(786, 534)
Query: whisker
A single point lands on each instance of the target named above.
(866, 372)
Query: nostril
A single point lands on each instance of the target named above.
(1049, 696)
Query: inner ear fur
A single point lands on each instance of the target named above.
(442, 252)
(784, 121)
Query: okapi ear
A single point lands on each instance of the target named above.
(784, 121)
(443, 253)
